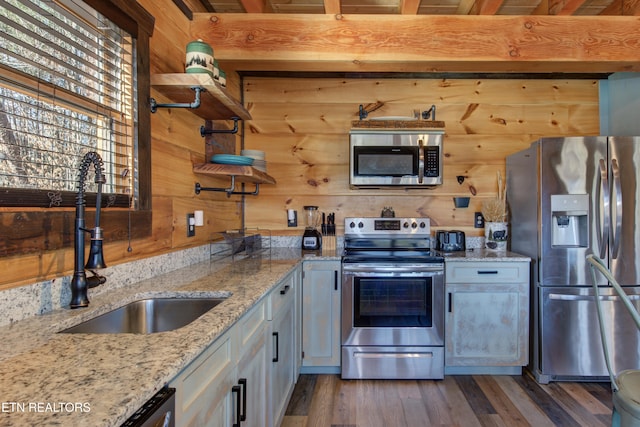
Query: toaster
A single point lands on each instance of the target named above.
(450, 240)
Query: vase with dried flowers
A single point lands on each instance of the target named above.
(494, 212)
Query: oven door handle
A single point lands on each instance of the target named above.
(393, 272)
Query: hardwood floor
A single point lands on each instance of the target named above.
(479, 400)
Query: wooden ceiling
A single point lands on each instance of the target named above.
(420, 36)
(429, 7)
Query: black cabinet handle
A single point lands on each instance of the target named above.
(243, 383)
(487, 271)
(450, 302)
(236, 389)
(284, 290)
(335, 280)
(275, 359)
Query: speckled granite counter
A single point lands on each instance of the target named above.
(475, 255)
(48, 378)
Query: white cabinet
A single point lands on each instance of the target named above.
(487, 315)
(246, 377)
(227, 383)
(321, 287)
(283, 353)
(204, 388)
(252, 370)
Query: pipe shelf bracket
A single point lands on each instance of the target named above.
(230, 190)
(195, 104)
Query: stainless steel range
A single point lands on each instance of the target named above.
(392, 300)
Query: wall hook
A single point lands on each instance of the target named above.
(362, 112)
(460, 179)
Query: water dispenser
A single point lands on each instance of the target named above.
(570, 220)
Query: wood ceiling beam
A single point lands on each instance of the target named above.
(631, 7)
(464, 7)
(388, 43)
(564, 7)
(255, 6)
(332, 7)
(489, 7)
(409, 7)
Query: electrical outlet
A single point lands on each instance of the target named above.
(478, 221)
(191, 225)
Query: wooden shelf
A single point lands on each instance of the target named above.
(242, 173)
(216, 103)
(397, 124)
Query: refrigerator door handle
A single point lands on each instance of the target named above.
(602, 224)
(617, 187)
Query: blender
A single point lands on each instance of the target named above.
(311, 239)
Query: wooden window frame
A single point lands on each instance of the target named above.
(33, 230)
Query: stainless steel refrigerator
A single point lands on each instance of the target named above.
(569, 197)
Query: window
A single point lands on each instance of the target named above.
(68, 89)
(71, 77)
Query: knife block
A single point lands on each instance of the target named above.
(328, 244)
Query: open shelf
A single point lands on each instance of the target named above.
(235, 173)
(242, 173)
(216, 103)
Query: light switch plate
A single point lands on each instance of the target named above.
(191, 225)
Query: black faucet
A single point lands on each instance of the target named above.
(80, 282)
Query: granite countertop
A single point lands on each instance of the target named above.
(475, 255)
(49, 378)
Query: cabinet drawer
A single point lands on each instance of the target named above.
(252, 323)
(487, 272)
(282, 294)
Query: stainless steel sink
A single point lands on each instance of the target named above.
(147, 316)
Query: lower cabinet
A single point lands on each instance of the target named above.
(283, 354)
(487, 318)
(321, 288)
(246, 377)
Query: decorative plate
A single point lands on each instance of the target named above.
(231, 159)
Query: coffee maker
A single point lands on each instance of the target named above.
(311, 239)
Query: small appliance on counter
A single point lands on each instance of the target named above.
(312, 238)
(450, 240)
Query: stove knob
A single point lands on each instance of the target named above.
(414, 225)
(423, 225)
(360, 225)
(352, 225)
(405, 225)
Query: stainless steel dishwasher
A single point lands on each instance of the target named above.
(159, 411)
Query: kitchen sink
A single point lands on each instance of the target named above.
(147, 316)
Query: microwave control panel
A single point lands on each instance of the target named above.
(431, 161)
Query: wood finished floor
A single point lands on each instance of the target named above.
(479, 400)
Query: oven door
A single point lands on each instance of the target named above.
(393, 305)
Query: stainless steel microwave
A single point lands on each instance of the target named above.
(395, 158)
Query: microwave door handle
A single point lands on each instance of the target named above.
(420, 162)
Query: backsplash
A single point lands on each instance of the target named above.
(43, 297)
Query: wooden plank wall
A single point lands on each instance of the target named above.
(302, 124)
(176, 144)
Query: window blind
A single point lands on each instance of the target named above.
(67, 86)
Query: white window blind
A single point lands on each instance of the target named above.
(67, 86)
